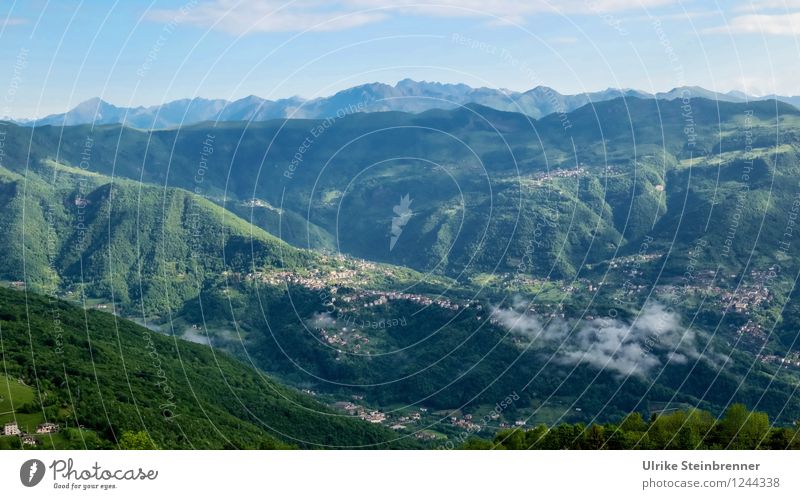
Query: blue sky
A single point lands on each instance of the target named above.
(59, 53)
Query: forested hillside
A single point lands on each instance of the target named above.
(100, 377)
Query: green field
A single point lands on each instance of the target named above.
(12, 394)
(16, 397)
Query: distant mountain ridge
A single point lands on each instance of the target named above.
(407, 95)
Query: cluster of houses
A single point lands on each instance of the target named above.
(344, 337)
(347, 332)
(426, 435)
(350, 273)
(791, 360)
(378, 417)
(353, 272)
(347, 277)
(542, 177)
(752, 294)
(403, 421)
(370, 415)
(752, 331)
(13, 429)
(746, 297)
(353, 276)
(464, 422)
(741, 297)
(377, 298)
(373, 416)
(316, 279)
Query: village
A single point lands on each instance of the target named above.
(12, 429)
(542, 177)
(378, 417)
(335, 281)
(743, 296)
(424, 423)
(791, 360)
(752, 331)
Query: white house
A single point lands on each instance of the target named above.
(11, 429)
(47, 428)
(29, 440)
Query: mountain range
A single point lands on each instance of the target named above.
(407, 95)
(449, 238)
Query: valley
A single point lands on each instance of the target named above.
(412, 271)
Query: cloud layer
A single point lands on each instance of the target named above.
(12, 21)
(654, 338)
(764, 24)
(239, 17)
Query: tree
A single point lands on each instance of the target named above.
(742, 429)
(534, 437)
(139, 440)
(633, 422)
(511, 439)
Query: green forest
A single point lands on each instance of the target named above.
(109, 383)
(738, 429)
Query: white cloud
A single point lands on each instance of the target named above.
(683, 15)
(510, 9)
(767, 24)
(762, 5)
(12, 21)
(250, 16)
(321, 320)
(654, 338)
(241, 17)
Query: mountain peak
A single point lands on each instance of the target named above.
(92, 103)
(406, 95)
